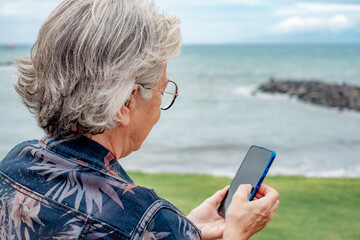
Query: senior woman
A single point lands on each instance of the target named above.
(96, 83)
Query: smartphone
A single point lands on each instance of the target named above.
(252, 170)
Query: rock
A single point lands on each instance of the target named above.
(332, 95)
(8, 63)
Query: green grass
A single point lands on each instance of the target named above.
(310, 208)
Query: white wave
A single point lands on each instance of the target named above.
(350, 172)
(274, 96)
(250, 91)
(246, 90)
(344, 172)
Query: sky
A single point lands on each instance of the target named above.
(218, 21)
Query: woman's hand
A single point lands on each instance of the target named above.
(244, 218)
(206, 217)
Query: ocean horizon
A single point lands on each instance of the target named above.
(217, 116)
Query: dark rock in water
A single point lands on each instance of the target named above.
(8, 63)
(331, 95)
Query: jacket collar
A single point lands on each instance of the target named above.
(87, 153)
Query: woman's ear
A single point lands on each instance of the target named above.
(124, 116)
(130, 104)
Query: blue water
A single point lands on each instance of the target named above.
(217, 118)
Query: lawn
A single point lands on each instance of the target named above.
(310, 208)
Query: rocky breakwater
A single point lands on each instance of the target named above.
(8, 63)
(331, 95)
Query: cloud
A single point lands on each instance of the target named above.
(192, 3)
(298, 24)
(216, 21)
(311, 8)
(27, 8)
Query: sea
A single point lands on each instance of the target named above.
(219, 114)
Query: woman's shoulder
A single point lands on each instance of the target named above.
(19, 147)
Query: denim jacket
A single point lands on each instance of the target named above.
(62, 189)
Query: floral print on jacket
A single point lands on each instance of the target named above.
(75, 189)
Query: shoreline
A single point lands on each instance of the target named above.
(274, 172)
(269, 175)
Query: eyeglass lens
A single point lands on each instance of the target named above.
(167, 99)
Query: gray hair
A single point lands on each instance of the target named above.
(87, 58)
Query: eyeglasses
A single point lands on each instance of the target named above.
(168, 95)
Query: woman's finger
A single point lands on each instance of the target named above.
(242, 193)
(218, 196)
